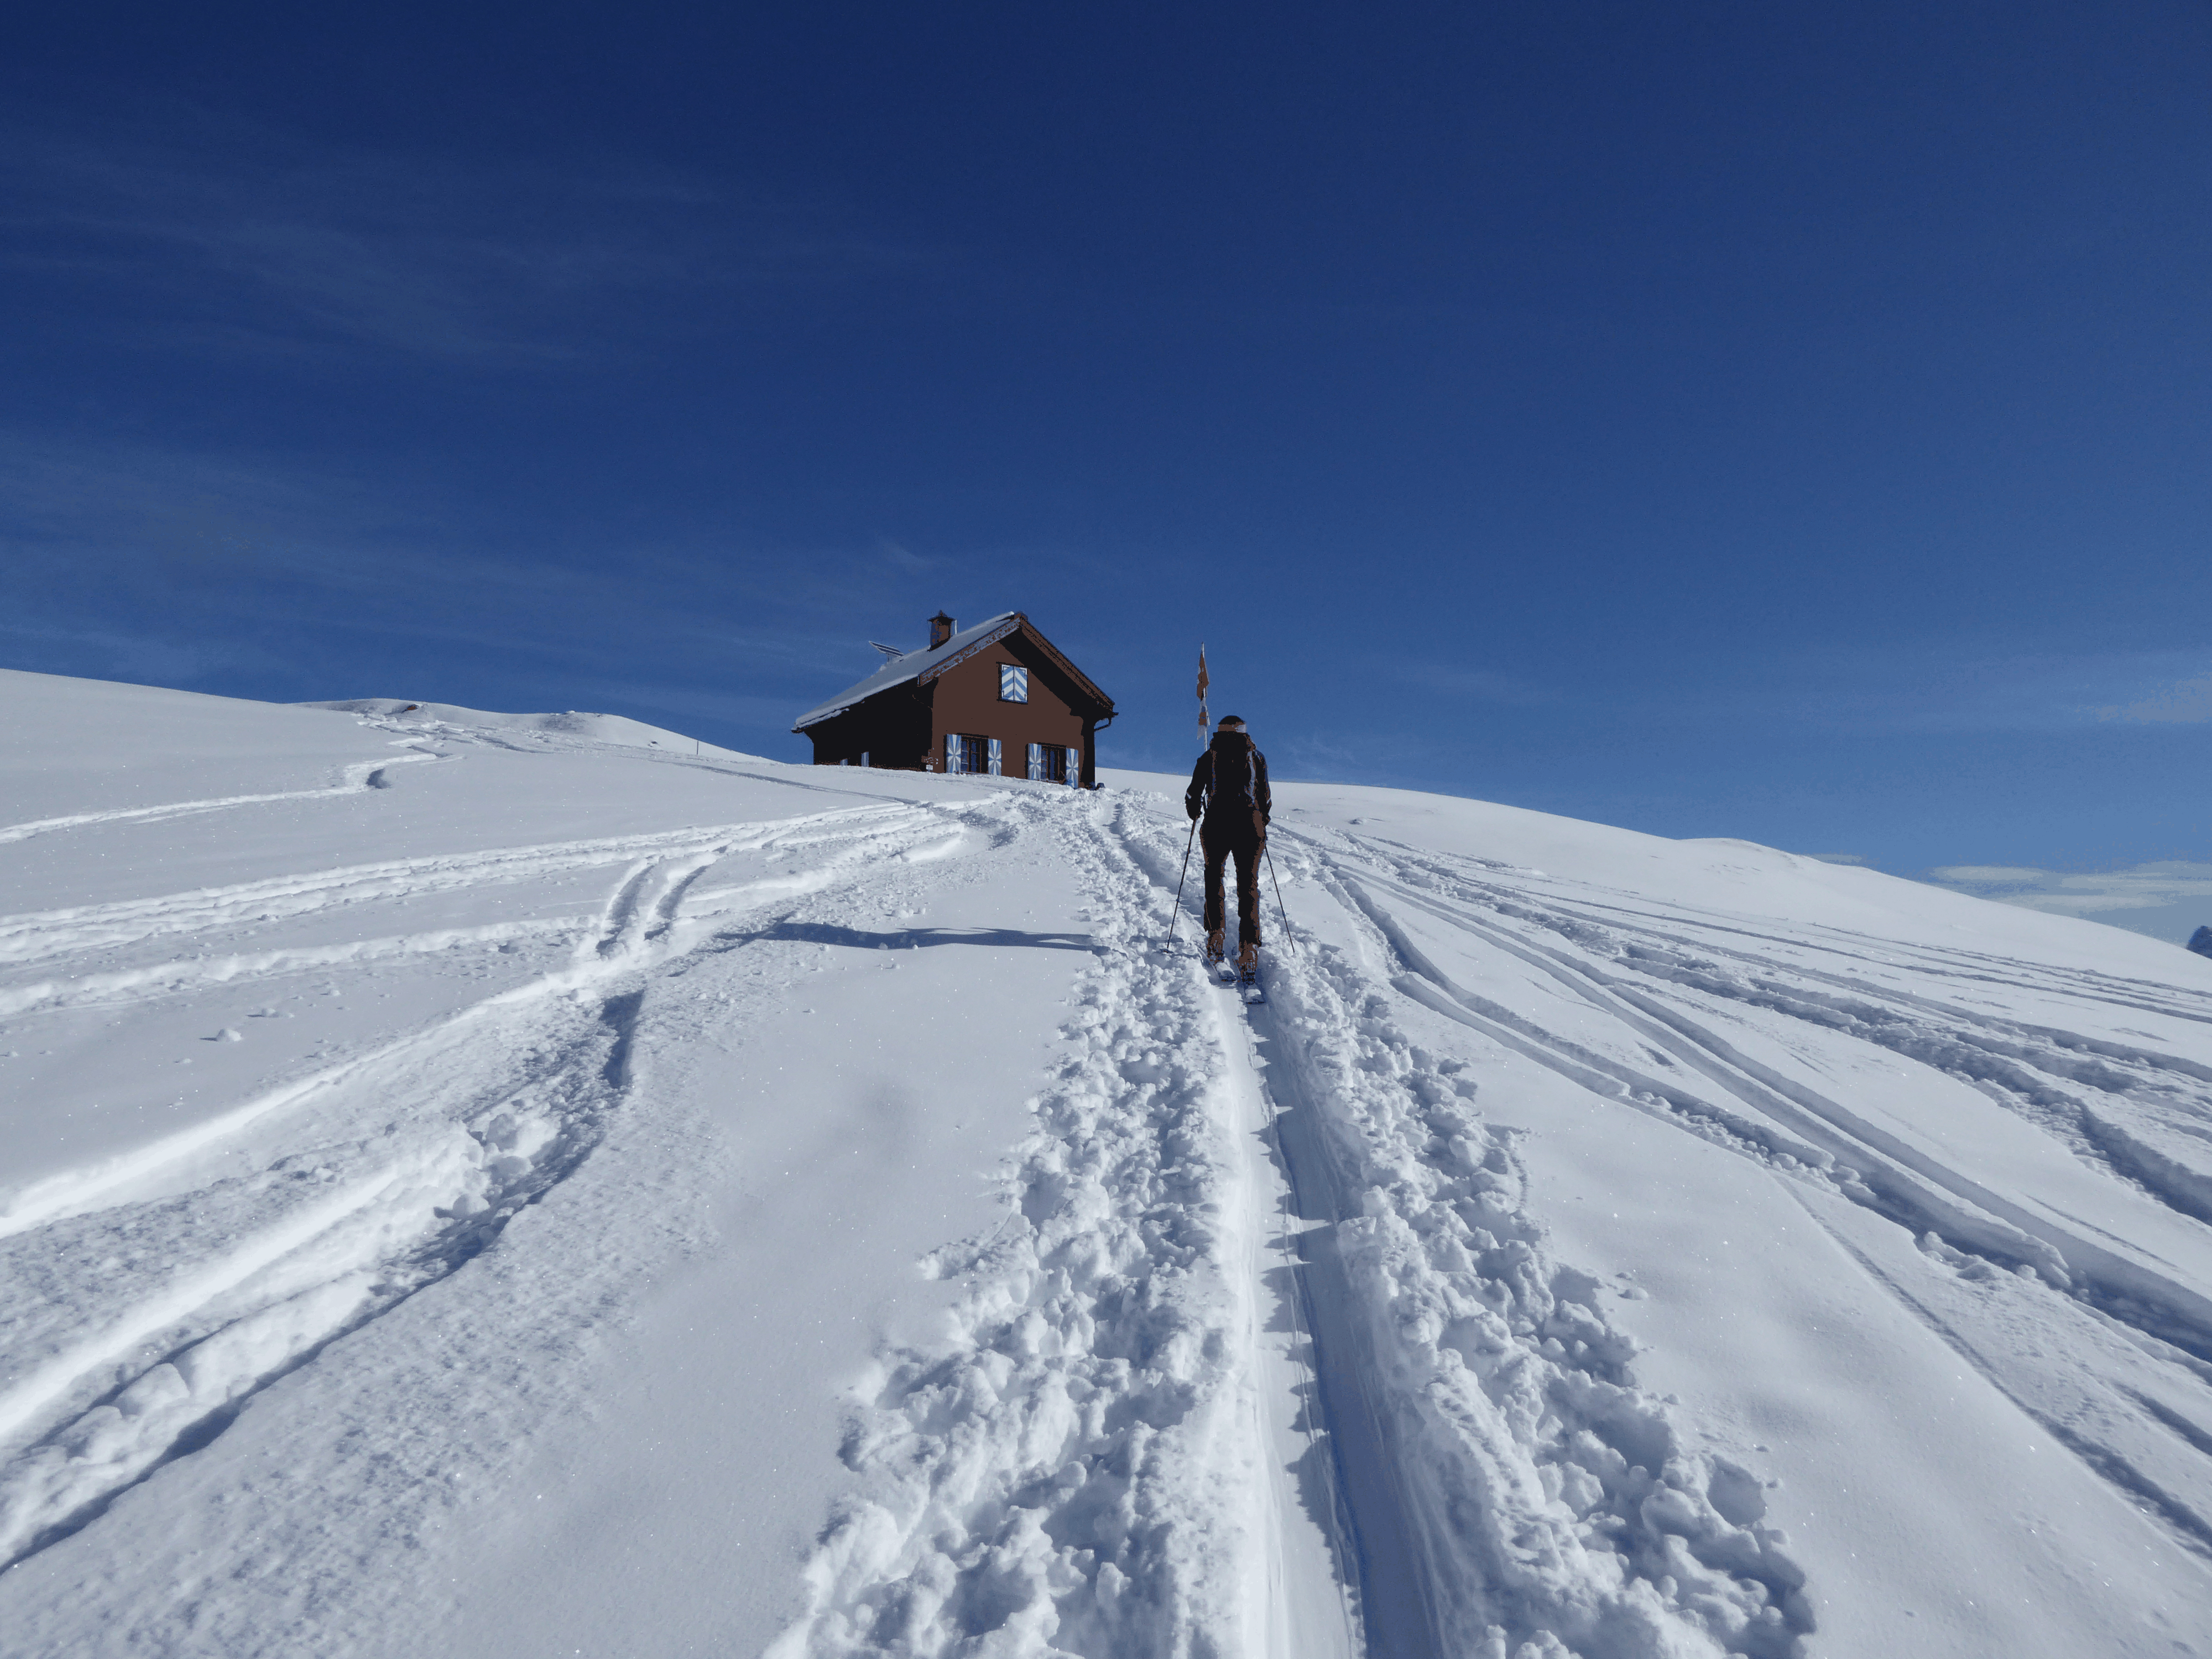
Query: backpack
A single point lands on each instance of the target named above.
(1235, 785)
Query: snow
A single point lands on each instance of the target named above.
(513, 1184)
(604, 728)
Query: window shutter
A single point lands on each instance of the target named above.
(996, 756)
(1036, 762)
(1072, 771)
(953, 751)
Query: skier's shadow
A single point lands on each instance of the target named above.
(905, 939)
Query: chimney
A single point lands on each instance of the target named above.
(941, 628)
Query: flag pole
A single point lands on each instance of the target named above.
(1203, 681)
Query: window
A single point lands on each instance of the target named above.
(966, 752)
(1050, 764)
(1013, 682)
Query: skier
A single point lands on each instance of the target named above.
(1230, 786)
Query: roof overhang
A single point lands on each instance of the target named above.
(959, 649)
(1012, 624)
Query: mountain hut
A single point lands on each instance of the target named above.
(996, 699)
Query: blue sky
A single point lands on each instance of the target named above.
(1782, 422)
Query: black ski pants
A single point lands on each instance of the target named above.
(1242, 839)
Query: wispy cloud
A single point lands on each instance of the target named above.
(109, 653)
(906, 559)
(2166, 899)
(1948, 689)
(1393, 758)
(246, 239)
(125, 559)
(2186, 703)
(1460, 683)
(1923, 688)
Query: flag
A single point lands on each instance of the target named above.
(1203, 681)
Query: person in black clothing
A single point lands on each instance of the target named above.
(1229, 785)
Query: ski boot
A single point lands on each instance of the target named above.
(1217, 952)
(1247, 971)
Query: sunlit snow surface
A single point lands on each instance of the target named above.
(511, 1187)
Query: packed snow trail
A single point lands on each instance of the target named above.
(1479, 1375)
(479, 1211)
(1070, 1458)
(1310, 1598)
(1080, 1463)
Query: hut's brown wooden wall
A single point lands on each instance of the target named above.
(906, 726)
(967, 701)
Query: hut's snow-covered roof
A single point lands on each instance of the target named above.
(913, 665)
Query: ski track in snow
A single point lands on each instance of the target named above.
(1535, 1497)
(1270, 1320)
(1501, 1485)
(1061, 1473)
(363, 774)
(1067, 1470)
(488, 1110)
(2142, 1416)
(50, 934)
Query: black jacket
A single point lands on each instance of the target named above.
(1229, 782)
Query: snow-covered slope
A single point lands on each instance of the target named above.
(430, 717)
(475, 1185)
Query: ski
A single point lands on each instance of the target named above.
(1225, 973)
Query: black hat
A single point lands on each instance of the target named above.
(1228, 720)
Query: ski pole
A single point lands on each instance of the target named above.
(1175, 915)
(1278, 880)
